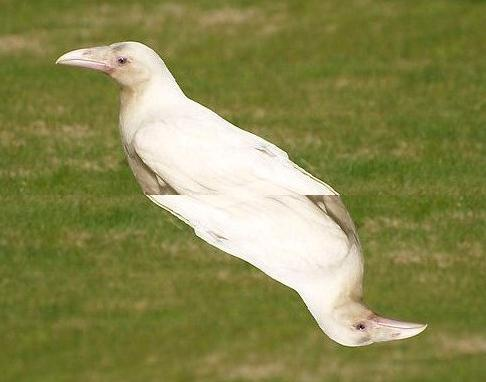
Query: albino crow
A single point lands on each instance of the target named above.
(241, 193)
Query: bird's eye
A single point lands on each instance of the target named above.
(122, 60)
(360, 326)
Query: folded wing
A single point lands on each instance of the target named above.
(197, 155)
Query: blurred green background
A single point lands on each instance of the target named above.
(382, 99)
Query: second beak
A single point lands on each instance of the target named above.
(396, 330)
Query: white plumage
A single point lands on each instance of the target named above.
(241, 193)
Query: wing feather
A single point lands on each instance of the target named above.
(212, 160)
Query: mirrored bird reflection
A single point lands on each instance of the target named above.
(240, 193)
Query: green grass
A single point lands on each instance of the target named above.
(383, 99)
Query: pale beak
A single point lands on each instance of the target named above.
(89, 58)
(387, 329)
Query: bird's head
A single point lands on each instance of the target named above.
(353, 324)
(129, 63)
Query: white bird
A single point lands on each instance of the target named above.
(241, 193)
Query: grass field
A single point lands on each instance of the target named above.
(385, 100)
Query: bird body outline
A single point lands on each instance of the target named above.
(241, 193)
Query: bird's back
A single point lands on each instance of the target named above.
(286, 236)
(198, 152)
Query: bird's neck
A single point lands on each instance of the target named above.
(328, 294)
(322, 300)
(159, 91)
(148, 100)
(326, 308)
